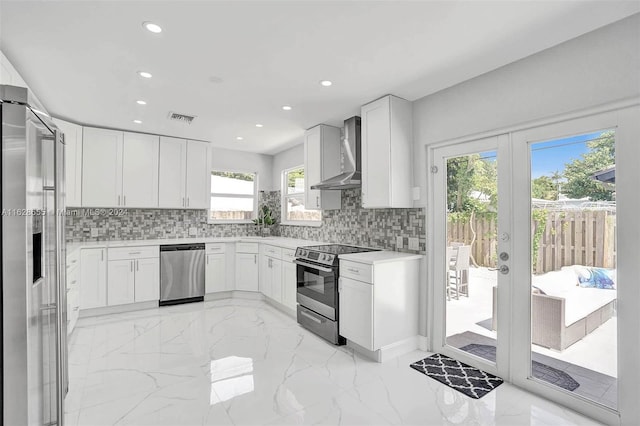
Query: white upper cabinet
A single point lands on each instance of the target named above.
(140, 170)
(73, 162)
(321, 161)
(101, 167)
(387, 164)
(198, 191)
(184, 174)
(173, 161)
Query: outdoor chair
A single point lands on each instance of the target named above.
(459, 272)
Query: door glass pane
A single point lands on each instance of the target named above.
(573, 265)
(471, 258)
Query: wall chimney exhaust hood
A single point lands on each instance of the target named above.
(350, 159)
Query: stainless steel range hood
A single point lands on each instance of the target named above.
(350, 159)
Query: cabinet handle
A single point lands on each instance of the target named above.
(132, 265)
(124, 200)
(255, 258)
(137, 265)
(118, 200)
(101, 255)
(312, 318)
(187, 201)
(183, 203)
(318, 201)
(207, 260)
(355, 271)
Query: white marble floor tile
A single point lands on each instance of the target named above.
(242, 362)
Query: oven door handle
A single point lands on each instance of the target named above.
(311, 265)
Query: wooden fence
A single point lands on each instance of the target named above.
(568, 238)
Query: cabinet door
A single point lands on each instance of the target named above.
(93, 278)
(72, 162)
(312, 167)
(289, 284)
(120, 282)
(276, 279)
(198, 190)
(147, 286)
(376, 138)
(356, 312)
(172, 172)
(140, 170)
(101, 168)
(215, 273)
(247, 271)
(265, 275)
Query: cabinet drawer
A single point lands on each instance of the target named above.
(73, 259)
(247, 248)
(273, 251)
(288, 254)
(141, 252)
(72, 279)
(357, 271)
(215, 248)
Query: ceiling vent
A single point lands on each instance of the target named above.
(183, 118)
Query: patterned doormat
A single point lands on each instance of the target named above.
(540, 371)
(462, 377)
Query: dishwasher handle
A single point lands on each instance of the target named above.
(182, 247)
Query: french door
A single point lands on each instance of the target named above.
(534, 243)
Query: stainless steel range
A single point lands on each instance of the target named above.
(317, 296)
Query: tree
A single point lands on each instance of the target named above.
(544, 188)
(578, 173)
(468, 176)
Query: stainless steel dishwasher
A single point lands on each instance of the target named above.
(181, 273)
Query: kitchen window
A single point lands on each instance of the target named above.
(293, 211)
(233, 196)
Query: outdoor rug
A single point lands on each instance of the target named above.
(462, 377)
(540, 371)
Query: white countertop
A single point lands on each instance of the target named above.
(373, 257)
(291, 243)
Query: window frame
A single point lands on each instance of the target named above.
(284, 197)
(256, 194)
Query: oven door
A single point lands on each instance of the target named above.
(317, 288)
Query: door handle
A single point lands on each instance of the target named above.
(504, 269)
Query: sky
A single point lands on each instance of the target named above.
(548, 157)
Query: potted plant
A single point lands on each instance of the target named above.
(264, 220)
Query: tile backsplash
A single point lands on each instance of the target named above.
(363, 227)
(350, 225)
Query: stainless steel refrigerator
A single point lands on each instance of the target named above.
(33, 281)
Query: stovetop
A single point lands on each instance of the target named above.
(328, 254)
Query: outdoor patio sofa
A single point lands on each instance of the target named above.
(562, 311)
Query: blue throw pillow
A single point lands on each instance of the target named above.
(595, 278)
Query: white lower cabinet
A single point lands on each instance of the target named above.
(289, 284)
(356, 312)
(93, 278)
(247, 268)
(147, 278)
(378, 302)
(215, 273)
(121, 282)
(73, 298)
(133, 275)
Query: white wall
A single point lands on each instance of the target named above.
(8, 74)
(239, 161)
(291, 157)
(597, 68)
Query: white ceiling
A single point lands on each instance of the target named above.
(235, 63)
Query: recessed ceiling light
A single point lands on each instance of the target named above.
(150, 26)
(286, 108)
(325, 83)
(239, 138)
(137, 121)
(258, 125)
(144, 74)
(141, 102)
